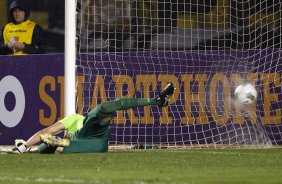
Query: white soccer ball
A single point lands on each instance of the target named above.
(245, 94)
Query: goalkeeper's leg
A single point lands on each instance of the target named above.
(94, 135)
(123, 104)
(103, 112)
(100, 117)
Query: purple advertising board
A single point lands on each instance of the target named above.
(202, 79)
(25, 81)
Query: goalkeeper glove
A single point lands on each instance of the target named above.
(19, 146)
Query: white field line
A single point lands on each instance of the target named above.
(61, 180)
(231, 152)
(45, 180)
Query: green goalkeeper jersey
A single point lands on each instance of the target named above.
(72, 123)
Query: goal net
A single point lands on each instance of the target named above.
(132, 49)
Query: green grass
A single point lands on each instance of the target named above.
(149, 166)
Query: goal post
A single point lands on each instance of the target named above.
(132, 49)
(70, 58)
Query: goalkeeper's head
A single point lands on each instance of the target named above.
(21, 5)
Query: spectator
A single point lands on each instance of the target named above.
(20, 36)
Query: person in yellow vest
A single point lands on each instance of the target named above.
(21, 36)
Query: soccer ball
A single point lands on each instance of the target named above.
(245, 94)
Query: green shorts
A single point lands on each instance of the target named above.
(93, 136)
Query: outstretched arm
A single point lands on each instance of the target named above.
(54, 129)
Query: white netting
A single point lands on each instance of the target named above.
(132, 48)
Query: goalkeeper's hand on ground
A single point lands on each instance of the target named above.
(19, 142)
(19, 147)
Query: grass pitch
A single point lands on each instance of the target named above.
(147, 166)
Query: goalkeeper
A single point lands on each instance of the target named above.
(87, 134)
